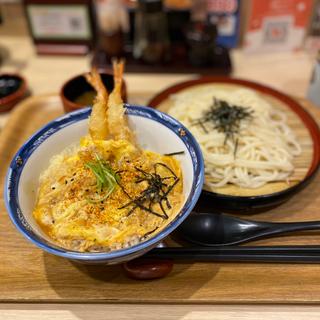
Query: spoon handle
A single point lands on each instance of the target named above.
(279, 254)
(277, 228)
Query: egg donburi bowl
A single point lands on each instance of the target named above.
(109, 195)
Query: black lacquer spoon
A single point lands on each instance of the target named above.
(218, 229)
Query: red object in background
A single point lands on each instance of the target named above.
(226, 6)
(277, 24)
(299, 9)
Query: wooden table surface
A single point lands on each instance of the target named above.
(155, 312)
(288, 72)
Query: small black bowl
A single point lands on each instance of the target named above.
(13, 88)
(78, 85)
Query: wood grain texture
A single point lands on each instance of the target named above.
(152, 311)
(28, 274)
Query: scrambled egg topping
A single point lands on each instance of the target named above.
(71, 208)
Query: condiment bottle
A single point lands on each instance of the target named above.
(201, 43)
(113, 22)
(200, 35)
(151, 39)
(314, 87)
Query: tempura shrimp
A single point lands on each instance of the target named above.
(118, 124)
(107, 118)
(98, 122)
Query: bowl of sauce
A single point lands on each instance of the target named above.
(77, 93)
(12, 89)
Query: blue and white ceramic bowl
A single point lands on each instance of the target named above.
(155, 131)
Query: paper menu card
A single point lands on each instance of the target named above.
(277, 25)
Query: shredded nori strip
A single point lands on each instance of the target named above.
(174, 153)
(156, 192)
(149, 232)
(225, 118)
(236, 148)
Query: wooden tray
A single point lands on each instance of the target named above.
(28, 274)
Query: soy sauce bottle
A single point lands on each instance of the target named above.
(151, 39)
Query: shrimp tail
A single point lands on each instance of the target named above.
(118, 124)
(118, 68)
(108, 113)
(94, 79)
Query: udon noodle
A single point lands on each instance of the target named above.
(262, 150)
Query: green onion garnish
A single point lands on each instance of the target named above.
(106, 177)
